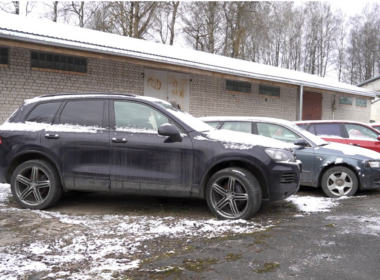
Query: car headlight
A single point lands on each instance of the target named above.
(374, 164)
(280, 155)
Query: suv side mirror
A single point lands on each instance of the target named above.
(300, 142)
(171, 131)
(378, 137)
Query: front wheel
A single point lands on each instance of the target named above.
(339, 181)
(35, 184)
(233, 193)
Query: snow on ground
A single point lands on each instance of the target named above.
(108, 243)
(308, 204)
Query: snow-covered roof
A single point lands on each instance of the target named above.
(368, 81)
(44, 31)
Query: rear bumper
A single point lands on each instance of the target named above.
(285, 180)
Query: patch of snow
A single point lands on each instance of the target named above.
(309, 204)
(367, 225)
(34, 126)
(243, 141)
(107, 243)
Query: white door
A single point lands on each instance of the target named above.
(168, 86)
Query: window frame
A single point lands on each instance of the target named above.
(224, 122)
(105, 122)
(46, 102)
(58, 62)
(361, 100)
(112, 120)
(239, 85)
(341, 98)
(264, 89)
(6, 56)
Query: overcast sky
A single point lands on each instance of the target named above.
(350, 7)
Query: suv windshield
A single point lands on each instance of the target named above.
(191, 121)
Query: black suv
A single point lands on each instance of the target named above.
(138, 145)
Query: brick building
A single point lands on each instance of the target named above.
(41, 57)
(373, 84)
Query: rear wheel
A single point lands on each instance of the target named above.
(339, 181)
(35, 184)
(233, 193)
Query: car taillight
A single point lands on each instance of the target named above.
(0, 141)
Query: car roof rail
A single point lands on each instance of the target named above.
(89, 93)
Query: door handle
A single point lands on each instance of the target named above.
(118, 140)
(352, 144)
(51, 136)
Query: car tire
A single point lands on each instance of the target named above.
(36, 184)
(339, 181)
(233, 193)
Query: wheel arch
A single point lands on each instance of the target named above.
(251, 167)
(26, 156)
(329, 165)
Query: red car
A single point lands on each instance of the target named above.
(375, 125)
(346, 132)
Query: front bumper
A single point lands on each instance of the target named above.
(369, 178)
(285, 180)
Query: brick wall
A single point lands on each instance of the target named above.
(348, 112)
(18, 81)
(208, 96)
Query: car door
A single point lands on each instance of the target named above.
(359, 135)
(329, 131)
(143, 161)
(79, 140)
(305, 154)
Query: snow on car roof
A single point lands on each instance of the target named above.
(46, 32)
(329, 121)
(228, 118)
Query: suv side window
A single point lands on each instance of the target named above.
(43, 113)
(84, 113)
(328, 129)
(137, 116)
(245, 127)
(360, 132)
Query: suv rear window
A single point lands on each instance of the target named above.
(85, 113)
(43, 113)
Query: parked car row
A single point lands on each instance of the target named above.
(138, 145)
(123, 143)
(339, 169)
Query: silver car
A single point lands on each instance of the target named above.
(339, 169)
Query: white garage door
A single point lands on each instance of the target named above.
(168, 86)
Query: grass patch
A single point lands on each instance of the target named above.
(198, 265)
(233, 257)
(268, 267)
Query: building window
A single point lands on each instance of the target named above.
(4, 56)
(269, 91)
(237, 86)
(59, 62)
(345, 100)
(361, 102)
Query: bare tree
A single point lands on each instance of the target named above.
(166, 16)
(12, 7)
(133, 19)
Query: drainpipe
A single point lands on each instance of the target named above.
(301, 102)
